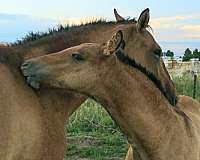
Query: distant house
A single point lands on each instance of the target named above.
(177, 67)
(171, 62)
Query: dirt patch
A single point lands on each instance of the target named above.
(83, 141)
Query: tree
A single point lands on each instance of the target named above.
(169, 54)
(196, 54)
(187, 55)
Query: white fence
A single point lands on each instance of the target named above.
(179, 68)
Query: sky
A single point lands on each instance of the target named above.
(176, 23)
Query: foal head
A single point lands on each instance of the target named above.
(83, 68)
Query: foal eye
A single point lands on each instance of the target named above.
(77, 57)
(158, 52)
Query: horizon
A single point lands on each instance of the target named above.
(175, 30)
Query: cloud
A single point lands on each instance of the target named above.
(166, 22)
(192, 36)
(193, 28)
(191, 31)
(14, 27)
(76, 21)
(177, 27)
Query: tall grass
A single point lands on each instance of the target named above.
(184, 85)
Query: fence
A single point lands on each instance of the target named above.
(186, 76)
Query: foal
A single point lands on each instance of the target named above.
(131, 93)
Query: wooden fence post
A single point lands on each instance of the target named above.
(194, 86)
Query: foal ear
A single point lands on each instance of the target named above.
(143, 20)
(118, 17)
(114, 43)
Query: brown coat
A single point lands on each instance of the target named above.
(131, 94)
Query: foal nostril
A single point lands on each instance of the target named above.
(27, 68)
(26, 64)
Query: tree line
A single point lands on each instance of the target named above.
(188, 54)
(191, 54)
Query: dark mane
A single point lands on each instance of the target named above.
(131, 62)
(59, 37)
(33, 36)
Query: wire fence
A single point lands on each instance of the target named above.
(187, 85)
(185, 76)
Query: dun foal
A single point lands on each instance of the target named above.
(137, 40)
(132, 91)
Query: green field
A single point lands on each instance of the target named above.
(92, 135)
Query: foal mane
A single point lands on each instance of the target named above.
(11, 54)
(124, 58)
(33, 36)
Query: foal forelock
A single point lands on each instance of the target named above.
(124, 58)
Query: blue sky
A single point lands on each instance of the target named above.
(78, 8)
(173, 21)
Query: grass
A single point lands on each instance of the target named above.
(92, 134)
(184, 85)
